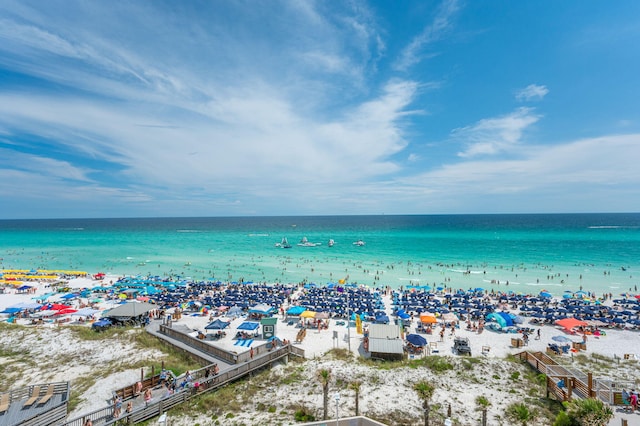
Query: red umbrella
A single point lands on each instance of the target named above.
(67, 311)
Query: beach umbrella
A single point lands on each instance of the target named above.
(308, 314)
(218, 324)
(428, 318)
(545, 294)
(416, 340)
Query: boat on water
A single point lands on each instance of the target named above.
(304, 242)
(359, 243)
(284, 243)
(331, 243)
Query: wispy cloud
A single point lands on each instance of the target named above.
(413, 53)
(532, 92)
(495, 135)
(560, 178)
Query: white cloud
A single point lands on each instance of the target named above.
(413, 53)
(532, 92)
(567, 177)
(491, 136)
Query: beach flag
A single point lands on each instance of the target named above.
(358, 324)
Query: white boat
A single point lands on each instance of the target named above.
(359, 243)
(284, 243)
(304, 242)
(331, 243)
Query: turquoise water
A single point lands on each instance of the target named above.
(598, 252)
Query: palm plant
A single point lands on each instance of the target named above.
(324, 376)
(425, 391)
(355, 386)
(482, 403)
(589, 411)
(520, 412)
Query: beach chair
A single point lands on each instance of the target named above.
(47, 396)
(4, 402)
(35, 394)
(434, 347)
(486, 350)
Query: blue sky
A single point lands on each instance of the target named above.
(226, 108)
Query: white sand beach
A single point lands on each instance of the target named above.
(391, 391)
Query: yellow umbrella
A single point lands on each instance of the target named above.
(308, 314)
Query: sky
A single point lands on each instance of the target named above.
(259, 108)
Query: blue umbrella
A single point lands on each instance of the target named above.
(416, 340)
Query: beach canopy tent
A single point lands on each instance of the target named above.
(296, 310)
(11, 311)
(449, 317)
(249, 325)
(427, 318)
(502, 318)
(416, 340)
(235, 310)
(130, 309)
(218, 324)
(570, 323)
(26, 305)
(85, 312)
(262, 309)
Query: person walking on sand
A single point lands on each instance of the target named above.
(251, 353)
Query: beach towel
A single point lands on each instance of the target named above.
(248, 342)
(239, 342)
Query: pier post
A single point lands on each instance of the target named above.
(590, 384)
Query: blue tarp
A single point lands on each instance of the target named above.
(248, 325)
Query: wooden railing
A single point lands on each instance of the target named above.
(104, 416)
(53, 415)
(576, 383)
(200, 345)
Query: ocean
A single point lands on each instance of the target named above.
(515, 252)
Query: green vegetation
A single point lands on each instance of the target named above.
(425, 391)
(520, 413)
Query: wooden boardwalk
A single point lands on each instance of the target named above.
(232, 367)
